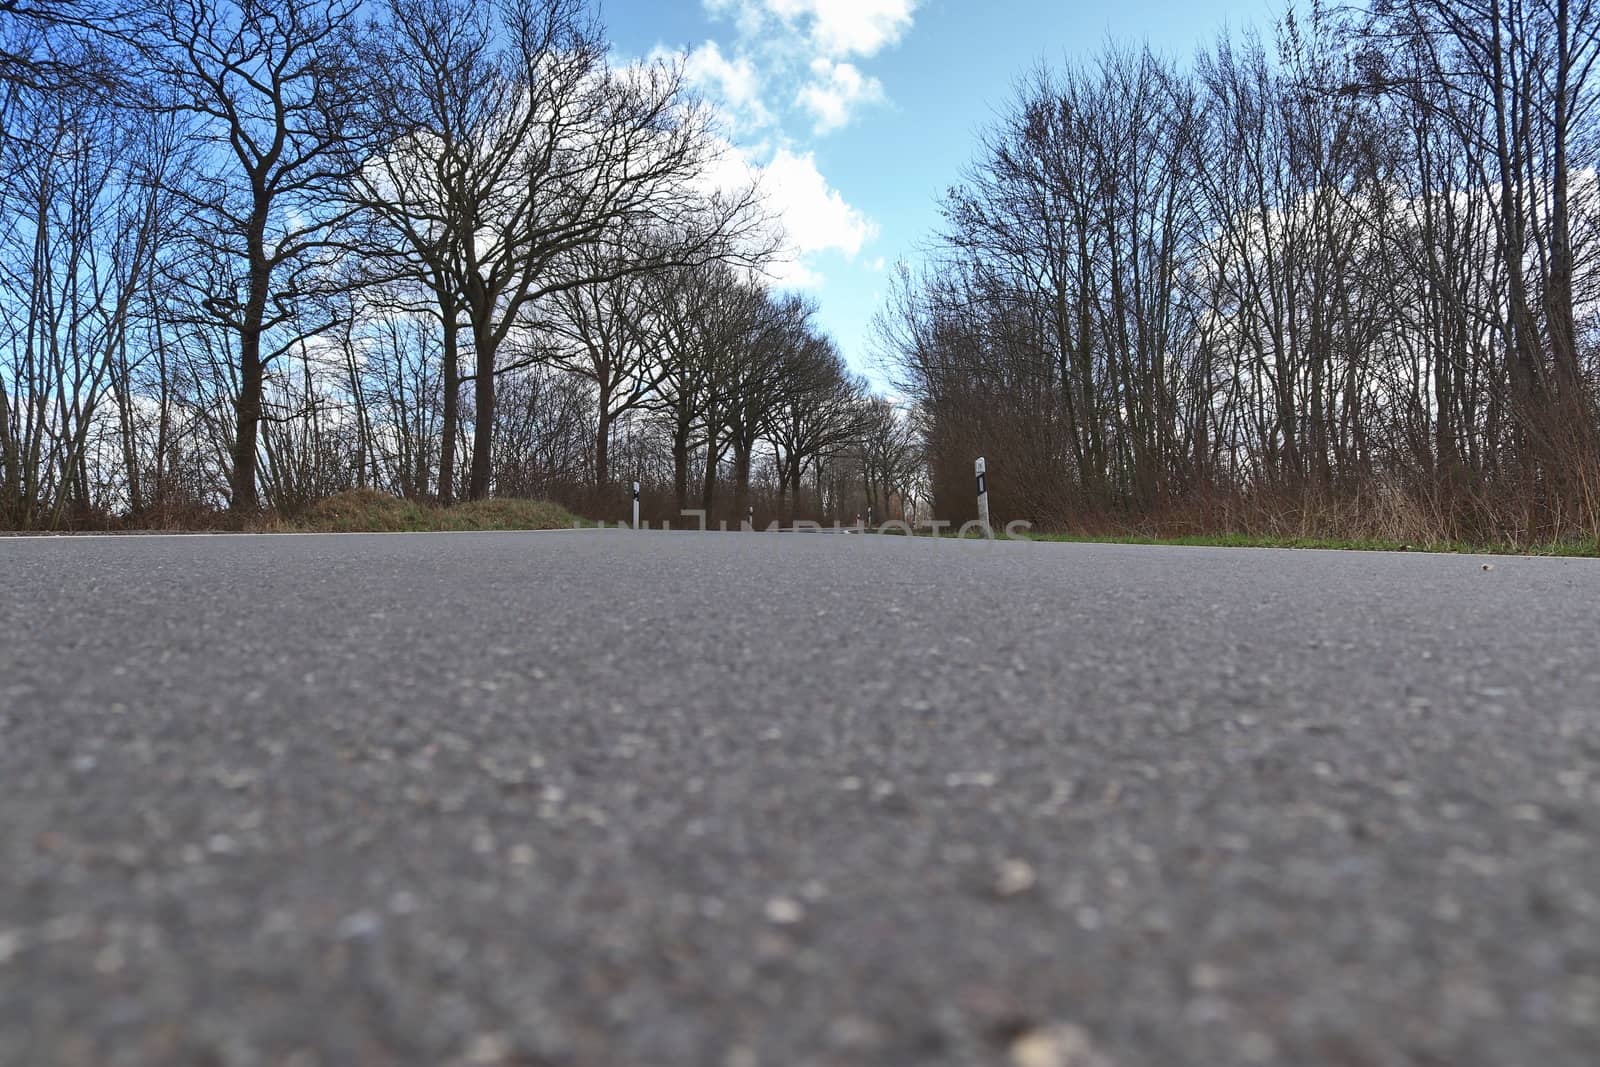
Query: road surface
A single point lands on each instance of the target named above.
(723, 800)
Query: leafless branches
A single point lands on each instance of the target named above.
(295, 247)
(1363, 264)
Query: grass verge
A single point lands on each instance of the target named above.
(369, 511)
(1583, 547)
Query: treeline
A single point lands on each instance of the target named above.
(1345, 282)
(254, 254)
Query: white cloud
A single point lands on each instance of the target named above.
(735, 83)
(748, 15)
(843, 27)
(787, 62)
(815, 216)
(792, 273)
(812, 217)
(834, 93)
(809, 46)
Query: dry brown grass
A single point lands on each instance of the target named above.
(369, 511)
(1375, 516)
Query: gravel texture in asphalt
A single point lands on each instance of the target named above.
(719, 800)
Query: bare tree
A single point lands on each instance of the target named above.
(1342, 268)
(700, 313)
(435, 90)
(505, 160)
(1515, 82)
(88, 216)
(756, 376)
(602, 332)
(818, 413)
(271, 94)
(51, 45)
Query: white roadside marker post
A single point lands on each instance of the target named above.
(635, 505)
(983, 497)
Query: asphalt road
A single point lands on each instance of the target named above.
(779, 800)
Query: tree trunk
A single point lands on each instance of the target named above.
(1560, 322)
(602, 443)
(247, 409)
(741, 479)
(795, 480)
(483, 417)
(680, 462)
(451, 416)
(782, 463)
(127, 427)
(10, 467)
(709, 489)
(247, 421)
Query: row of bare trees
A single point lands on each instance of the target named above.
(1359, 265)
(252, 254)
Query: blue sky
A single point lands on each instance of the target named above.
(862, 112)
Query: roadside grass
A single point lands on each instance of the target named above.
(1579, 547)
(369, 511)
(1383, 517)
(1575, 547)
